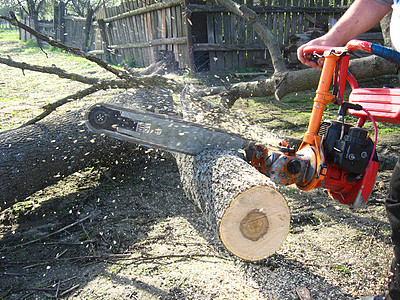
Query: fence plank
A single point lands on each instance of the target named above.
(182, 48)
(144, 9)
(136, 31)
(228, 40)
(144, 28)
(234, 41)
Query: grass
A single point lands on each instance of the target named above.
(291, 114)
(9, 34)
(342, 269)
(295, 108)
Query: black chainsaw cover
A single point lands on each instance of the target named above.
(348, 147)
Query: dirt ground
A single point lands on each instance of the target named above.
(126, 231)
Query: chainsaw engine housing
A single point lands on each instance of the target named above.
(346, 146)
(350, 172)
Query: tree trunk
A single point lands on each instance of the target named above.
(39, 155)
(250, 217)
(261, 29)
(87, 29)
(301, 80)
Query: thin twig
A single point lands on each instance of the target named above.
(69, 290)
(58, 289)
(48, 235)
(11, 274)
(120, 256)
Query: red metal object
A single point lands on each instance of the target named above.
(359, 45)
(350, 46)
(383, 104)
(355, 193)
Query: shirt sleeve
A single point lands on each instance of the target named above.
(385, 2)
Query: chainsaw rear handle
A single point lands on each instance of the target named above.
(382, 51)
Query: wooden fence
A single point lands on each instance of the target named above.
(144, 30)
(5, 25)
(199, 35)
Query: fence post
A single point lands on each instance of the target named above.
(102, 26)
(189, 39)
(62, 21)
(87, 28)
(56, 21)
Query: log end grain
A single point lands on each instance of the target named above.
(255, 224)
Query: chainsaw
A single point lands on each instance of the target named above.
(333, 155)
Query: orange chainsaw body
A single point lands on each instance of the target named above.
(333, 155)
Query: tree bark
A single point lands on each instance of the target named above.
(385, 27)
(283, 84)
(38, 155)
(240, 204)
(88, 27)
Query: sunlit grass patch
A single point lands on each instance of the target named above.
(9, 34)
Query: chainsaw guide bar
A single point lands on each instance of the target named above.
(159, 131)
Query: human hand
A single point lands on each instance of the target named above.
(307, 59)
(327, 40)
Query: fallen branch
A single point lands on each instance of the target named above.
(126, 80)
(48, 70)
(104, 85)
(282, 84)
(47, 235)
(118, 72)
(111, 257)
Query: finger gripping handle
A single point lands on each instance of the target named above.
(316, 49)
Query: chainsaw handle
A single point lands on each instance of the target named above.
(320, 50)
(382, 51)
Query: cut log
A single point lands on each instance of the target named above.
(301, 80)
(251, 218)
(41, 154)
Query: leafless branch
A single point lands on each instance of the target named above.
(126, 80)
(48, 235)
(118, 72)
(49, 70)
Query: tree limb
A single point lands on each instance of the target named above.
(118, 72)
(126, 80)
(48, 109)
(259, 27)
(282, 84)
(49, 70)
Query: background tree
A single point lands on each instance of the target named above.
(7, 5)
(85, 7)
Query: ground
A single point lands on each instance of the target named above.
(122, 231)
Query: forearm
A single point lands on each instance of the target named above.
(359, 18)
